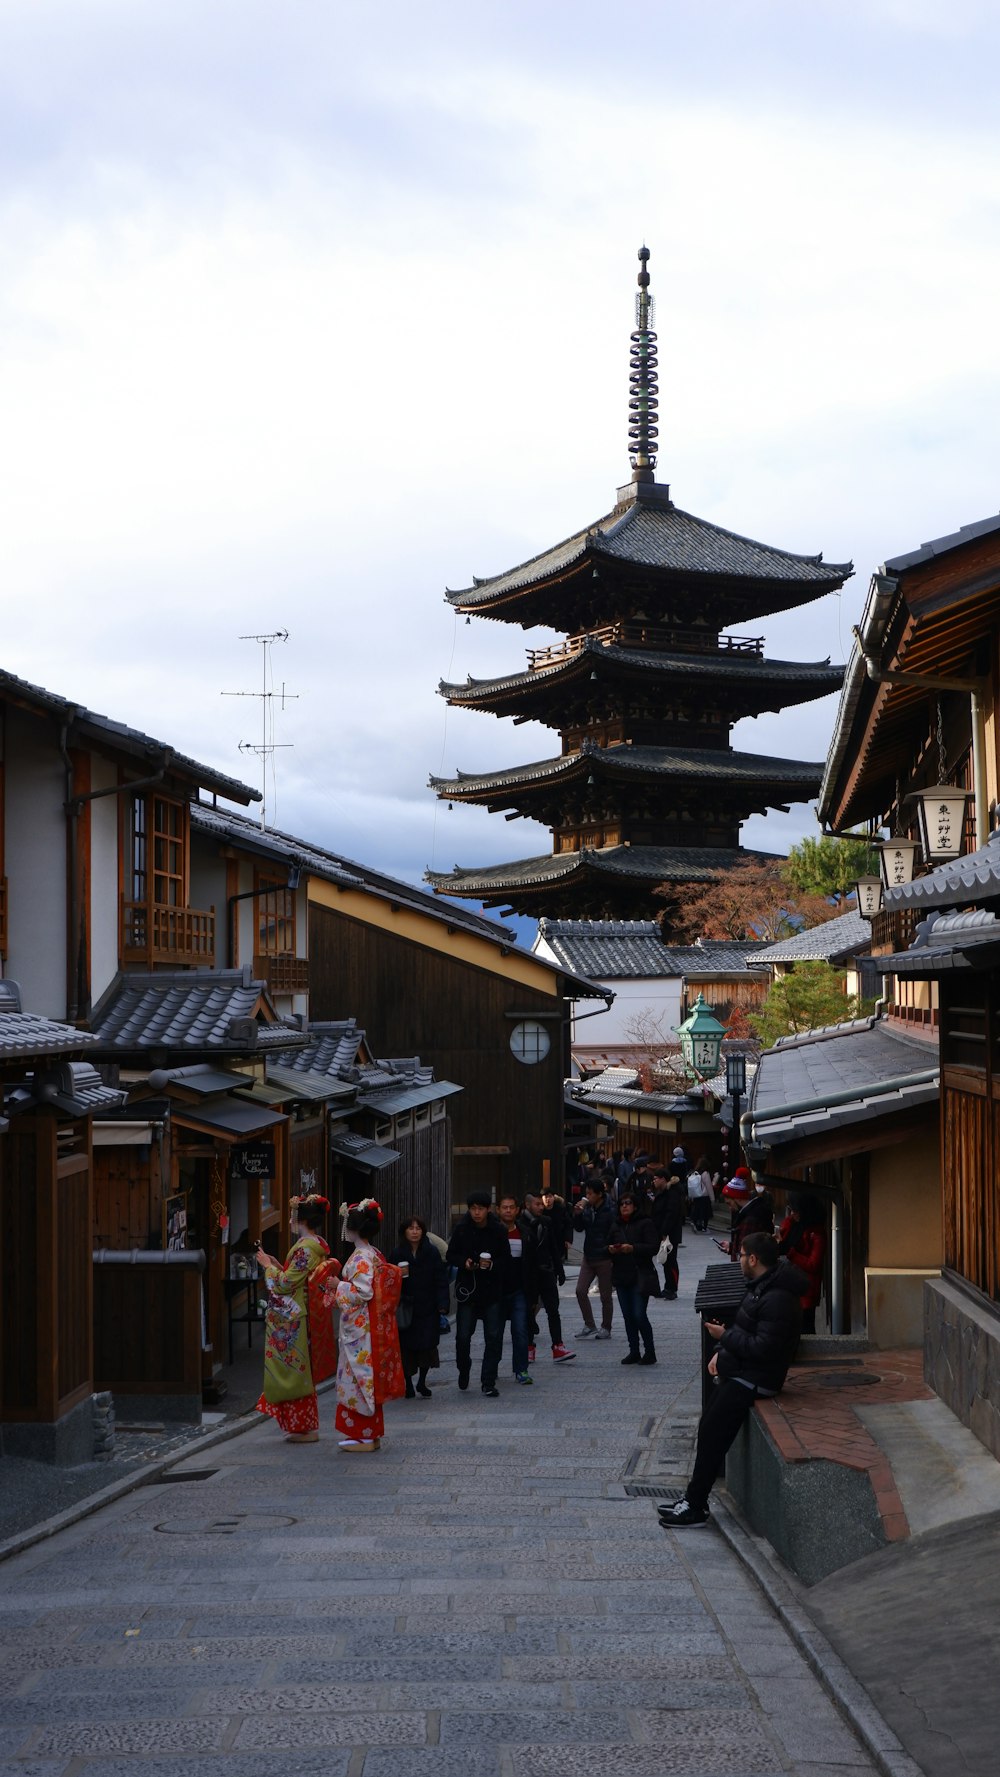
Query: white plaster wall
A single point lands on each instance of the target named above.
(35, 833)
(104, 910)
(208, 889)
(654, 998)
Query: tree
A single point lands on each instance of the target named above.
(830, 867)
(753, 900)
(811, 997)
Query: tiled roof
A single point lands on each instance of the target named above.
(847, 935)
(975, 877)
(658, 534)
(948, 942)
(634, 949)
(89, 725)
(330, 1048)
(195, 1011)
(819, 677)
(89, 1089)
(647, 863)
(619, 1087)
(715, 765)
(24, 1036)
(832, 1078)
(966, 533)
(267, 842)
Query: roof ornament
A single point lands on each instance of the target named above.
(643, 429)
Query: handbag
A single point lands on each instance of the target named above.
(404, 1316)
(664, 1250)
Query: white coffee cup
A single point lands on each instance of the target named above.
(515, 1248)
(486, 1258)
(404, 1267)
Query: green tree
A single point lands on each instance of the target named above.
(830, 867)
(811, 997)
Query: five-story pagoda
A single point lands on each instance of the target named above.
(646, 788)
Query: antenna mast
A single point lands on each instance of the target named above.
(267, 746)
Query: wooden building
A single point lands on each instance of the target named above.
(921, 706)
(645, 787)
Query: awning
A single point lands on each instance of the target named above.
(124, 1135)
(230, 1119)
(309, 1086)
(949, 943)
(357, 1150)
(391, 1104)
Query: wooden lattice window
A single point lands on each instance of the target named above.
(156, 863)
(275, 918)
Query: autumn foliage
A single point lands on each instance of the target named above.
(752, 900)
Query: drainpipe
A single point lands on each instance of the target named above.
(836, 1266)
(973, 689)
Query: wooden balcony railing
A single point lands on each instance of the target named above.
(895, 931)
(3, 918)
(647, 635)
(158, 934)
(283, 974)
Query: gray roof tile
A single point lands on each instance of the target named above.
(706, 764)
(839, 1076)
(734, 668)
(967, 533)
(647, 863)
(192, 1011)
(975, 877)
(847, 935)
(609, 950)
(25, 1036)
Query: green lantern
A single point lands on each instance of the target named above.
(701, 1037)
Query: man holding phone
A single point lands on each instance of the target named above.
(751, 1361)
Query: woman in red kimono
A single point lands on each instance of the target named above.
(369, 1368)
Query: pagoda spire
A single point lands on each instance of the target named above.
(643, 401)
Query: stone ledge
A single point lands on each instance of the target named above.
(962, 1358)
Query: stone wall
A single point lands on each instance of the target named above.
(962, 1358)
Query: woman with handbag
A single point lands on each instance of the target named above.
(298, 1349)
(423, 1300)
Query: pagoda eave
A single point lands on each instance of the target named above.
(611, 878)
(667, 768)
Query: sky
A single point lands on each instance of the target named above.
(309, 309)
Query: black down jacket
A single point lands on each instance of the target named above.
(760, 1344)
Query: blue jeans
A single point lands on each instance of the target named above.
(632, 1303)
(515, 1310)
(466, 1316)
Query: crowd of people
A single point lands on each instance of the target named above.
(506, 1265)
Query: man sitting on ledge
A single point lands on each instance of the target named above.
(751, 1361)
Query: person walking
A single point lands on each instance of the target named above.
(756, 1217)
(593, 1219)
(701, 1195)
(802, 1238)
(297, 1324)
(560, 1220)
(480, 1251)
(751, 1361)
(423, 1299)
(514, 1300)
(667, 1211)
(632, 1245)
(540, 1277)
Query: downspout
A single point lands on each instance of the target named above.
(973, 689)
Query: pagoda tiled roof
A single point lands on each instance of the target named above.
(812, 678)
(717, 765)
(654, 533)
(650, 864)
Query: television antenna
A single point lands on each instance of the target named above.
(268, 697)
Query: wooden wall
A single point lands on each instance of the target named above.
(970, 1129)
(413, 1001)
(46, 1342)
(128, 1196)
(147, 1326)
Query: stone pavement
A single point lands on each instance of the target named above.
(481, 1597)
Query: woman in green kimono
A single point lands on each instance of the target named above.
(299, 1343)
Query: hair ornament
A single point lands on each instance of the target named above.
(313, 1201)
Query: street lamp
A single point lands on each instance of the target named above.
(869, 892)
(701, 1037)
(941, 818)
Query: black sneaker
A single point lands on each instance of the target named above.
(682, 1516)
(648, 1357)
(463, 1378)
(492, 1393)
(633, 1358)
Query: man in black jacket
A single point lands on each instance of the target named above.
(593, 1219)
(480, 1250)
(752, 1360)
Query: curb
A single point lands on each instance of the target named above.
(142, 1477)
(845, 1691)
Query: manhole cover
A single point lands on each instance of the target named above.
(650, 1490)
(226, 1524)
(847, 1379)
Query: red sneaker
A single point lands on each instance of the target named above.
(531, 1354)
(562, 1354)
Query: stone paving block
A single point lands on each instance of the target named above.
(187, 1678)
(663, 1642)
(33, 1767)
(492, 1622)
(457, 1641)
(710, 1668)
(402, 1729)
(549, 1761)
(561, 1727)
(51, 1703)
(664, 1691)
(499, 1694)
(331, 1763)
(423, 1669)
(433, 1761)
(97, 1738)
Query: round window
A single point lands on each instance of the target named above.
(529, 1042)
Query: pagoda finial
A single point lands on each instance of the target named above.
(643, 429)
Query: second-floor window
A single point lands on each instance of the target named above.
(275, 918)
(157, 853)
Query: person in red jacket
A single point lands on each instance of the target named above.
(802, 1238)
